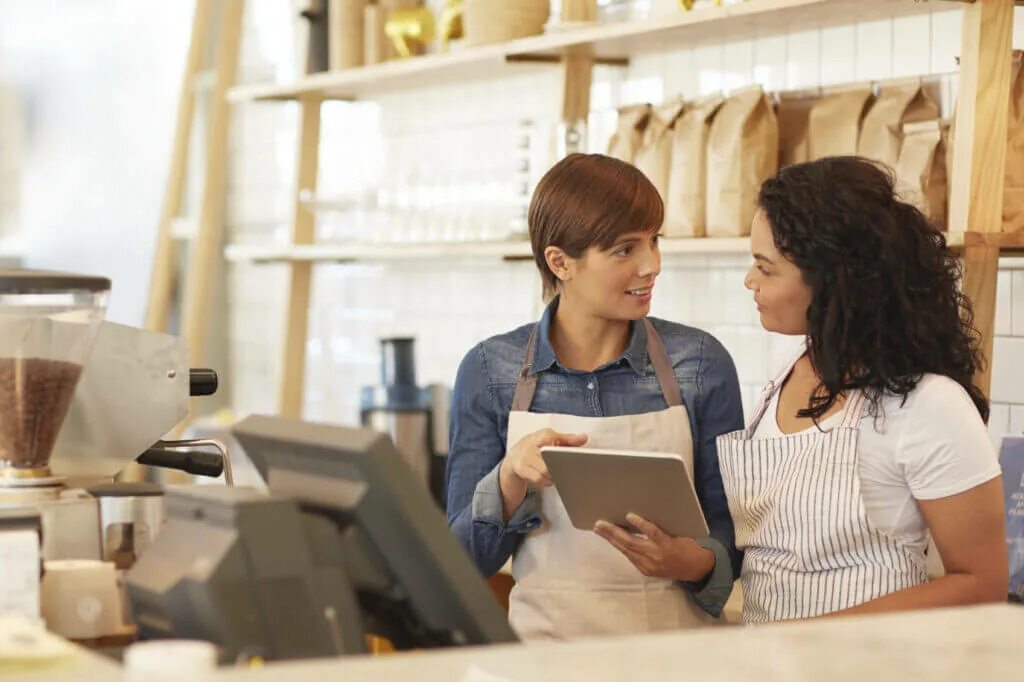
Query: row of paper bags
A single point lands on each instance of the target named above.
(709, 157)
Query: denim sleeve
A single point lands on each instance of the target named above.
(475, 453)
(719, 410)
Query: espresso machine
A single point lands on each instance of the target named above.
(80, 399)
(415, 417)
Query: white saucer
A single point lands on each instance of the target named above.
(43, 482)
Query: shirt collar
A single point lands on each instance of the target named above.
(544, 357)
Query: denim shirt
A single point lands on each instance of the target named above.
(482, 399)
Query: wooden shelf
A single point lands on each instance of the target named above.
(612, 43)
(341, 253)
(1008, 243)
(510, 250)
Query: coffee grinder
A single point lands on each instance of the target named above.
(48, 323)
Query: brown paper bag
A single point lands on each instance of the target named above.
(898, 103)
(834, 125)
(743, 152)
(654, 157)
(794, 111)
(687, 179)
(1013, 200)
(921, 169)
(629, 132)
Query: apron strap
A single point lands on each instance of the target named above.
(662, 367)
(762, 407)
(853, 410)
(526, 385)
(769, 391)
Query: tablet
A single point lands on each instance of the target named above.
(608, 484)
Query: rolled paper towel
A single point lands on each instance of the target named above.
(80, 598)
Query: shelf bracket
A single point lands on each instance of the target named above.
(557, 59)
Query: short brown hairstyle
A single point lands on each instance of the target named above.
(587, 200)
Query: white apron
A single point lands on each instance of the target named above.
(571, 583)
(796, 503)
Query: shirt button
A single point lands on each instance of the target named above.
(590, 385)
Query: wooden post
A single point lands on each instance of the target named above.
(161, 284)
(979, 153)
(577, 75)
(208, 250)
(293, 365)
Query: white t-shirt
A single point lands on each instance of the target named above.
(933, 446)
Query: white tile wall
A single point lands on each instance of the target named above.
(838, 55)
(999, 423)
(1008, 381)
(710, 63)
(803, 62)
(12, 130)
(946, 29)
(682, 75)
(1004, 305)
(769, 67)
(256, 327)
(1018, 28)
(462, 130)
(1016, 426)
(737, 64)
(874, 50)
(1016, 304)
(911, 55)
(448, 308)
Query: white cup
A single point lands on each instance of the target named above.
(169, 659)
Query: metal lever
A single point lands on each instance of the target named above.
(189, 461)
(181, 455)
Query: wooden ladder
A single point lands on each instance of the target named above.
(209, 70)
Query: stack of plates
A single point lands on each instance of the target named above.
(495, 21)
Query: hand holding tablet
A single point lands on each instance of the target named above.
(607, 485)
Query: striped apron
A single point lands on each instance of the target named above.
(796, 502)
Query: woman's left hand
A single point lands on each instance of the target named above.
(657, 554)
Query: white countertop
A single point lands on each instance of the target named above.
(956, 644)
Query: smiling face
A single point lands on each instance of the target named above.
(616, 283)
(592, 223)
(781, 295)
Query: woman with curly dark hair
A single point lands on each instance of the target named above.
(873, 438)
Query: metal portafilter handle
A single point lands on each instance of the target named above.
(181, 455)
(202, 382)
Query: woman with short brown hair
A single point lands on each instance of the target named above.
(594, 370)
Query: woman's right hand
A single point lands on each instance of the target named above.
(523, 465)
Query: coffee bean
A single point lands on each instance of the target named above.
(34, 398)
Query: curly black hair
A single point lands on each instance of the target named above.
(886, 305)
